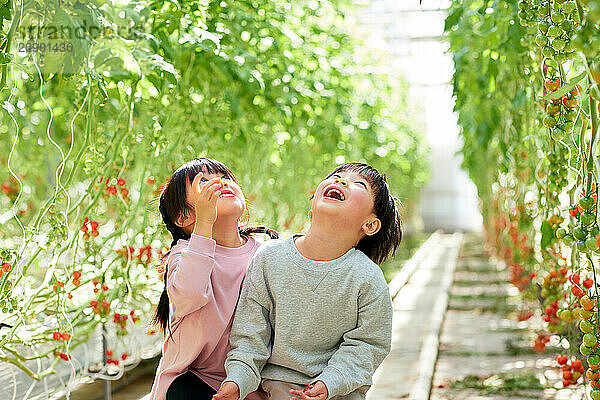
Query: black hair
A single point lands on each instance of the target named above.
(173, 204)
(383, 244)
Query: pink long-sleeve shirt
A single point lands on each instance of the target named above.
(203, 284)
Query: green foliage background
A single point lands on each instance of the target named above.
(274, 89)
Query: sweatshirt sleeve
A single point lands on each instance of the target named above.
(189, 276)
(250, 336)
(363, 348)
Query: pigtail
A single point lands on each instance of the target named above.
(172, 202)
(163, 308)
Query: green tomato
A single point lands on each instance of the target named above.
(560, 233)
(587, 203)
(567, 126)
(557, 133)
(571, 115)
(560, 58)
(594, 360)
(581, 246)
(548, 51)
(554, 31)
(558, 44)
(587, 218)
(595, 394)
(557, 17)
(590, 244)
(523, 5)
(569, 47)
(523, 16)
(567, 25)
(594, 230)
(580, 233)
(590, 340)
(544, 10)
(541, 40)
(584, 350)
(568, 240)
(543, 26)
(549, 121)
(569, 7)
(586, 326)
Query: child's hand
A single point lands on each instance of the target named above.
(205, 200)
(318, 391)
(228, 391)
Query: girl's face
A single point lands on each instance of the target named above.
(231, 202)
(345, 195)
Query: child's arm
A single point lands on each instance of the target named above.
(363, 348)
(188, 281)
(250, 336)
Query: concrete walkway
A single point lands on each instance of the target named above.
(418, 309)
(485, 352)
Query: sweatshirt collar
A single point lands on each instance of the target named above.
(300, 260)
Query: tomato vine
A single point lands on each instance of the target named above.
(526, 87)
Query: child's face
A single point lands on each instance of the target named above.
(345, 195)
(231, 202)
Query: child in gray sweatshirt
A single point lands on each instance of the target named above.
(314, 318)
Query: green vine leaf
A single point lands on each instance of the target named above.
(566, 88)
(547, 235)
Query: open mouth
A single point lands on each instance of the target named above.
(334, 193)
(226, 192)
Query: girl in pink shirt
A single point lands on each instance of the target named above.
(201, 206)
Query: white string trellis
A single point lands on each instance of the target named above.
(78, 367)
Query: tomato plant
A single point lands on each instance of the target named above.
(527, 101)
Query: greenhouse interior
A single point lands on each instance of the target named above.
(309, 200)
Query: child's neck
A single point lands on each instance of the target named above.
(321, 243)
(225, 232)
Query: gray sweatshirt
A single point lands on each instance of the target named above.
(302, 321)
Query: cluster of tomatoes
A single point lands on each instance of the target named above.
(115, 361)
(555, 24)
(8, 303)
(553, 282)
(113, 188)
(93, 225)
(58, 336)
(519, 276)
(561, 113)
(587, 39)
(102, 308)
(551, 317)
(121, 321)
(557, 170)
(585, 234)
(10, 189)
(571, 369)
